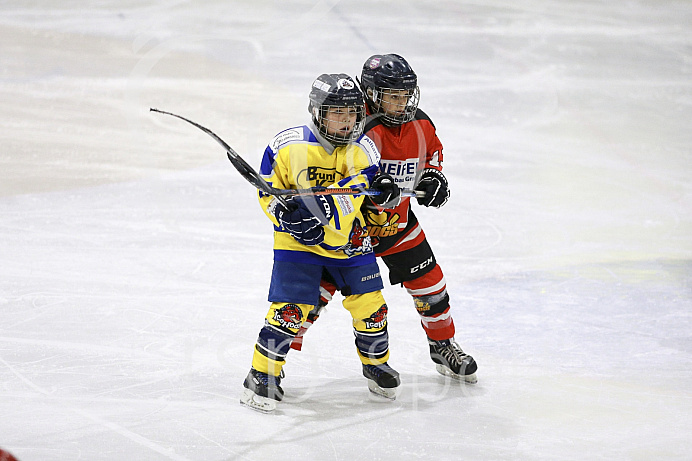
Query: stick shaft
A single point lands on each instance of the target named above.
(260, 183)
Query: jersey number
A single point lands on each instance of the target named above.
(435, 159)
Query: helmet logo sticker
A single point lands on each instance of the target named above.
(374, 63)
(320, 85)
(345, 84)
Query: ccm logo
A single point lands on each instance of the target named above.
(420, 266)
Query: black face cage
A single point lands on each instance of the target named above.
(339, 139)
(405, 112)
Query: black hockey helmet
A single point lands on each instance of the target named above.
(336, 90)
(390, 74)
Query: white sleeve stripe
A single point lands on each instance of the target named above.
(439, 318)
(441, 285)
(325, 294)
(412, 235)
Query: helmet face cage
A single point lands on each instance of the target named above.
(392, 107)
(334, 100)
(329, 120)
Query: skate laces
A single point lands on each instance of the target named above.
(450, 351)
(379, 370)
(267, 380)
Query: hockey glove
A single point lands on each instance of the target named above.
(434, 184)
(390, 193)
(303, 219)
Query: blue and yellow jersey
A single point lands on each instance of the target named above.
(296, 159)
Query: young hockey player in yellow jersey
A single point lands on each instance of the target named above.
(316, 233)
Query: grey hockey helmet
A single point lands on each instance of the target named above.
(334, 99)
(390, 76)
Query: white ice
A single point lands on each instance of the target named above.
(134, 261)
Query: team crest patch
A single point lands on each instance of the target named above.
(289, 316)
(382, 225)
(345, 84)
(378, 319)
(359, 240)
(421, 306)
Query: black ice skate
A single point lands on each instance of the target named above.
(262, 391)
(452, 361)
(382, 380)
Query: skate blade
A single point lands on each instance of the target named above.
(257, 402)
(388, 393)
(443, 370)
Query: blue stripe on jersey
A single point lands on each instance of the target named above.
(312, 258)
(267, 166)
(283, 138)
(310, 135)
(344, 181)
(337, 221)
(370, 171)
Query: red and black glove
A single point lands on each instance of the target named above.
(435, 186)
(390, 193)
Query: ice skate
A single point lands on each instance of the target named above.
(383, 380)
(451, 361)
(262, 391)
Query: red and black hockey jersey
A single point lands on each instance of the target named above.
(406, 150)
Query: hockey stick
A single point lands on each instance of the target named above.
(259, 182)
(238, 162)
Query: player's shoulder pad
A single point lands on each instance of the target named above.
(290, 135)
(420, 115)
(369, 147)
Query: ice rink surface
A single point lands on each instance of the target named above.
(135, 261)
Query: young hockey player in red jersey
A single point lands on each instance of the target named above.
(321, 234)
(411, 158)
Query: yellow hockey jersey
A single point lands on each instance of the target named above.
(298, 158)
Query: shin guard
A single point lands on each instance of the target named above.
(273, 343)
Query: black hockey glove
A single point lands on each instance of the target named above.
(390, 193)
(304, 218)
(434, 184)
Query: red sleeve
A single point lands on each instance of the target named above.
(433, 157)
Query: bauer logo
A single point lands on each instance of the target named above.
(370, 277)
(289, 316)
(378, 319)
